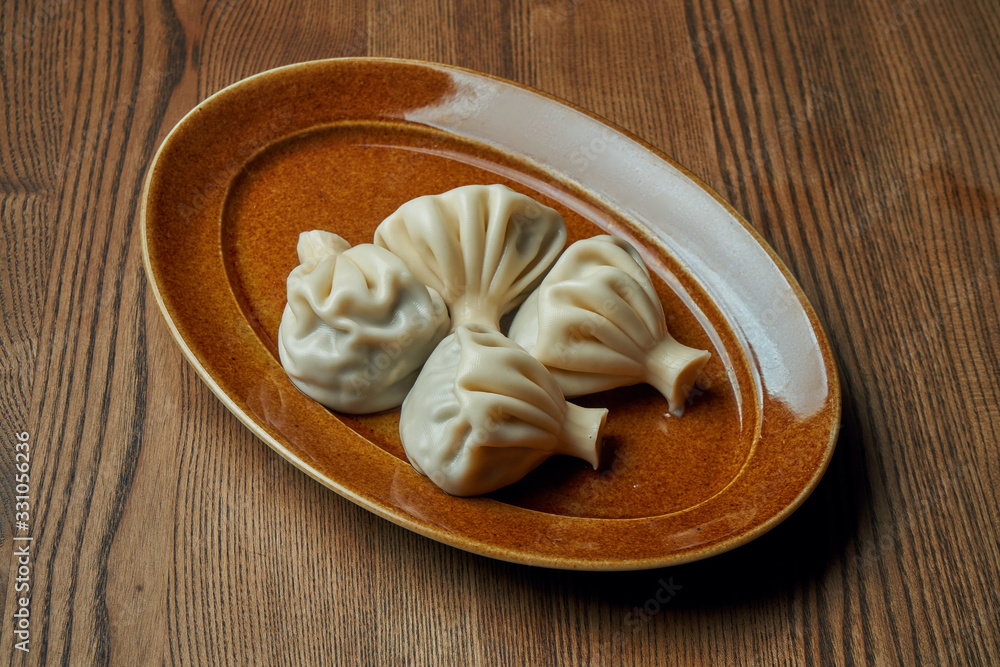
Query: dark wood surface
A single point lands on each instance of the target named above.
(859, 138)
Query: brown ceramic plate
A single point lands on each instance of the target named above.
(338, 145)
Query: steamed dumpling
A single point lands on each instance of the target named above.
(358, 324)
(484, 413)
(482, 247)
(597, 323)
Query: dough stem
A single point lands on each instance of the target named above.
(465, 311)
(672, 368)
(582, 431)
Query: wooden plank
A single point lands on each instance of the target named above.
(859, 140)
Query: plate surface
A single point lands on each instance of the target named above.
(340, 144)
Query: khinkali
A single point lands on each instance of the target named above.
(358, 324)
(484, 413)
(482, 247)
(596, 323)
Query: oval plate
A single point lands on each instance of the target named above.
(338, 145)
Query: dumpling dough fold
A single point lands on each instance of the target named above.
(596, 323)
(483, 413)
(358, 324)
(482, 247)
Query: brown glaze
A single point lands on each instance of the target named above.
(323, 146)
(348, 178)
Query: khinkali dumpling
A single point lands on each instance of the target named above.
(358, 324)
(482, 247)
(484, 413)
(596, 323)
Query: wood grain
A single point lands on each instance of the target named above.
(859, 138)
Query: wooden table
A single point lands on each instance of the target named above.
(859, 139)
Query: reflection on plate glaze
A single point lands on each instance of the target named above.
(775, 328)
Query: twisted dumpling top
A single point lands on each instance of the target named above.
(358, 324)
(482, 247)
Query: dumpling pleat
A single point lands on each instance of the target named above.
(483, 247)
